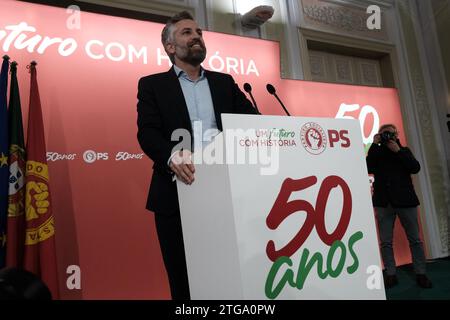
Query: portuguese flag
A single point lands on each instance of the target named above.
(40, 253)
(16, 196)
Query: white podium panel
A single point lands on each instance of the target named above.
(286, 213)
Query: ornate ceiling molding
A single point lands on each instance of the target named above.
(342, 17)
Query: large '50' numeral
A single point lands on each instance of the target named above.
(314, 217)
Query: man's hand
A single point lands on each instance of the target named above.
(377, 138)
(393, 146)
(181, 164)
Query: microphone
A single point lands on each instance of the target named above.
(248, 89)
(271, 89)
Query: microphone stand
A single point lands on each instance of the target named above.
(248, 89)
(271, 89)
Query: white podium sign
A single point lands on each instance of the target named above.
(296, 225)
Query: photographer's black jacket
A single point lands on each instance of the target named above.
(392, 173)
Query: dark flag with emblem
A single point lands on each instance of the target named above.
(16, 207)
(4, 168)
(40, 250)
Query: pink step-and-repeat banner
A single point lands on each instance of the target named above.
(88, 75)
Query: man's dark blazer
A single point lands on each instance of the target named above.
(161, 110)
(392, 172)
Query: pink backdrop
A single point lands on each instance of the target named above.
(89, 103)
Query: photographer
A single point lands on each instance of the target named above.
(394, 195)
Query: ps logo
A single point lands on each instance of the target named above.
(91, 156)
(313, 138)
(335, 136)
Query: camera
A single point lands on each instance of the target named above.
(386, 136)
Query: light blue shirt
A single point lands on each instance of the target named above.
(200, 106)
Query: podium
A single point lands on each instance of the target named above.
(281, 209)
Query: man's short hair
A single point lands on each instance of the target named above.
(387, 125)
(167, 33)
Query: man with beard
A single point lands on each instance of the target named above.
(394, 195)
(173, 100)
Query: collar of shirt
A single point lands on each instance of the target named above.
(181, 73)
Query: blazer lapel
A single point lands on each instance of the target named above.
(214, 85)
